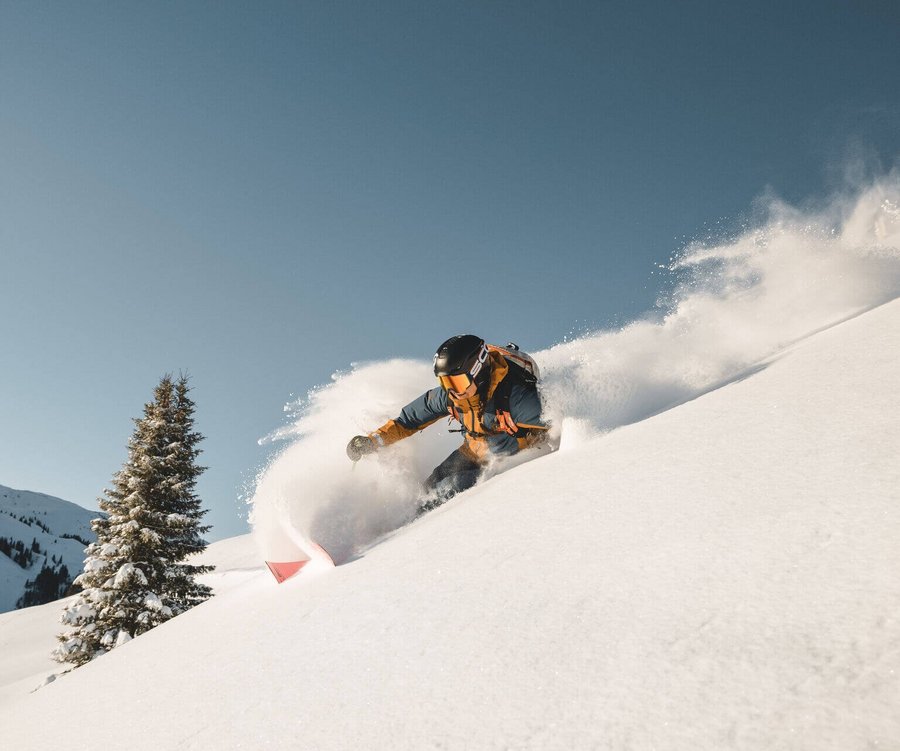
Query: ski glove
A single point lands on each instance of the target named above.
(359, 446)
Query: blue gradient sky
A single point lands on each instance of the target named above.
(263, 193)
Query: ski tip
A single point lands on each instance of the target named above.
(284, 570)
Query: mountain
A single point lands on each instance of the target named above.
(720, 574)
(40, 533)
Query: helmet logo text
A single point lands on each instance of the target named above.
(479, 363)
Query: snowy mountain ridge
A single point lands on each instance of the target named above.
(39, 532)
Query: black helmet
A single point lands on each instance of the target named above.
(461, 360)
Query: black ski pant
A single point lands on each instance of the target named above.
(453, 475)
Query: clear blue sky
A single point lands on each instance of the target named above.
(263, 193)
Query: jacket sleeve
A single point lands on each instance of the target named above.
(418, 414)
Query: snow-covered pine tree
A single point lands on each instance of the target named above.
(182, 590)
(134, 576)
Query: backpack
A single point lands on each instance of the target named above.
(522, 370)
(514, 355)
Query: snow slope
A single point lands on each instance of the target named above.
(709, 561)
(26, 663)
(720, 575)
(27, 516)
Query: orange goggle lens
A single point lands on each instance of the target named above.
(457, 383)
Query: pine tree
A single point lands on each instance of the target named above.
(182, 589)
(50, 584)
(134, 576)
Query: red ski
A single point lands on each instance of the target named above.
(284, 570)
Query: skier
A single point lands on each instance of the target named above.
(490, 391)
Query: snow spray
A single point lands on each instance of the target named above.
(733, 305)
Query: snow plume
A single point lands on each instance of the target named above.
(311, 489)
(733, 305)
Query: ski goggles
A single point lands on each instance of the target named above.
(456, 383)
